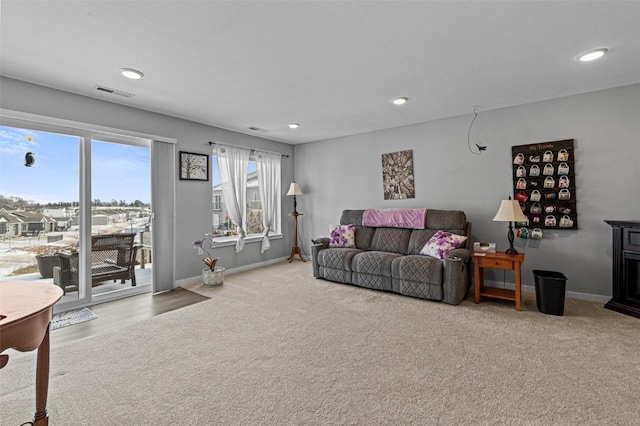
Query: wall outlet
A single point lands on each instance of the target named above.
(200, 251)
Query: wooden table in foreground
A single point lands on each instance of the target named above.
(26, 309)
(512, 262)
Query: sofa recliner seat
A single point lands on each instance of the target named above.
(389, 259)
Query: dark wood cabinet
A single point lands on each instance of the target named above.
(631, 239)
(626, 267)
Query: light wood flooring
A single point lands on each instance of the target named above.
(120, 313)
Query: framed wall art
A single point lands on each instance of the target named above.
(193, 166)
(397, 175)
(544, 183)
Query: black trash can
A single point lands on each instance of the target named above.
(550, 287)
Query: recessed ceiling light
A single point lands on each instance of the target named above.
(400, 101)
(131, 73)
(294, 125)
(593, 54)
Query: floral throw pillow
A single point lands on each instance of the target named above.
(342, 236)
(442, 243)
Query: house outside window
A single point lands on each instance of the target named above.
(217, 201)
(254, 201)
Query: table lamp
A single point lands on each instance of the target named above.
(510, 211)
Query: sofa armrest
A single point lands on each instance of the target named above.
(318, 244)
(322, 241)
(459, 253)
(456, 282)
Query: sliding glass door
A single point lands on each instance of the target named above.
(61, 192)
(120, 218)
(39, 205)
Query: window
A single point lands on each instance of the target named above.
(254, 201)
(222, 223)
(217, 201)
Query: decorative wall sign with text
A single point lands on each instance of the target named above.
(397, 175)
(545, 185)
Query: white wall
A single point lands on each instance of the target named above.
(193, 198)
(345, 173)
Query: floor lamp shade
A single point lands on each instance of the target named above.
(294, 189)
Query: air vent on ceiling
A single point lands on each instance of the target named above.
(114, 92)
(257, 129)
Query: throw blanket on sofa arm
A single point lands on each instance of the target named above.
(395, 218)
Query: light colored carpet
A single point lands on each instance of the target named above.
(65, 319)
(275, 346)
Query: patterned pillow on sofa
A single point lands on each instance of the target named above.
(342, 236)
(442, 243)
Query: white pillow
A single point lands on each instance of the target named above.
(342, 236)
(442, 243)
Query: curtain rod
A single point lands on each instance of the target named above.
(252, 149)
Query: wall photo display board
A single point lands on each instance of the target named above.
(545, 185)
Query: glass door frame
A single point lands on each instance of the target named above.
(105, 297)
(84, 199)
(85, 134)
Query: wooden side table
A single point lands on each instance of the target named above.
(26, 309)
(512, 262)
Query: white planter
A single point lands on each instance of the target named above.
(212, 278)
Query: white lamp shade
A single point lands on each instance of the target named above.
(510, 211)
(294, 189)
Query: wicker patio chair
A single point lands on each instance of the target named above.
(113, 257)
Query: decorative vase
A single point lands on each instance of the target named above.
(46, 264)
(213, 278)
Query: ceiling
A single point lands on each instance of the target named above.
(331, 66)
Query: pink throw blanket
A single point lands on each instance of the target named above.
(395, 218)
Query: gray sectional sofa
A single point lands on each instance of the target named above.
(387, 258)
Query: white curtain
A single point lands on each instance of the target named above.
(233, 163)
(269, 182)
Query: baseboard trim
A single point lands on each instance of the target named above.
(180, 283)
(569, 294)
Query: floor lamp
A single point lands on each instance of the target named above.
(294, 190)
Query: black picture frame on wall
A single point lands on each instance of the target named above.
(397, 175)
(193, 166)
